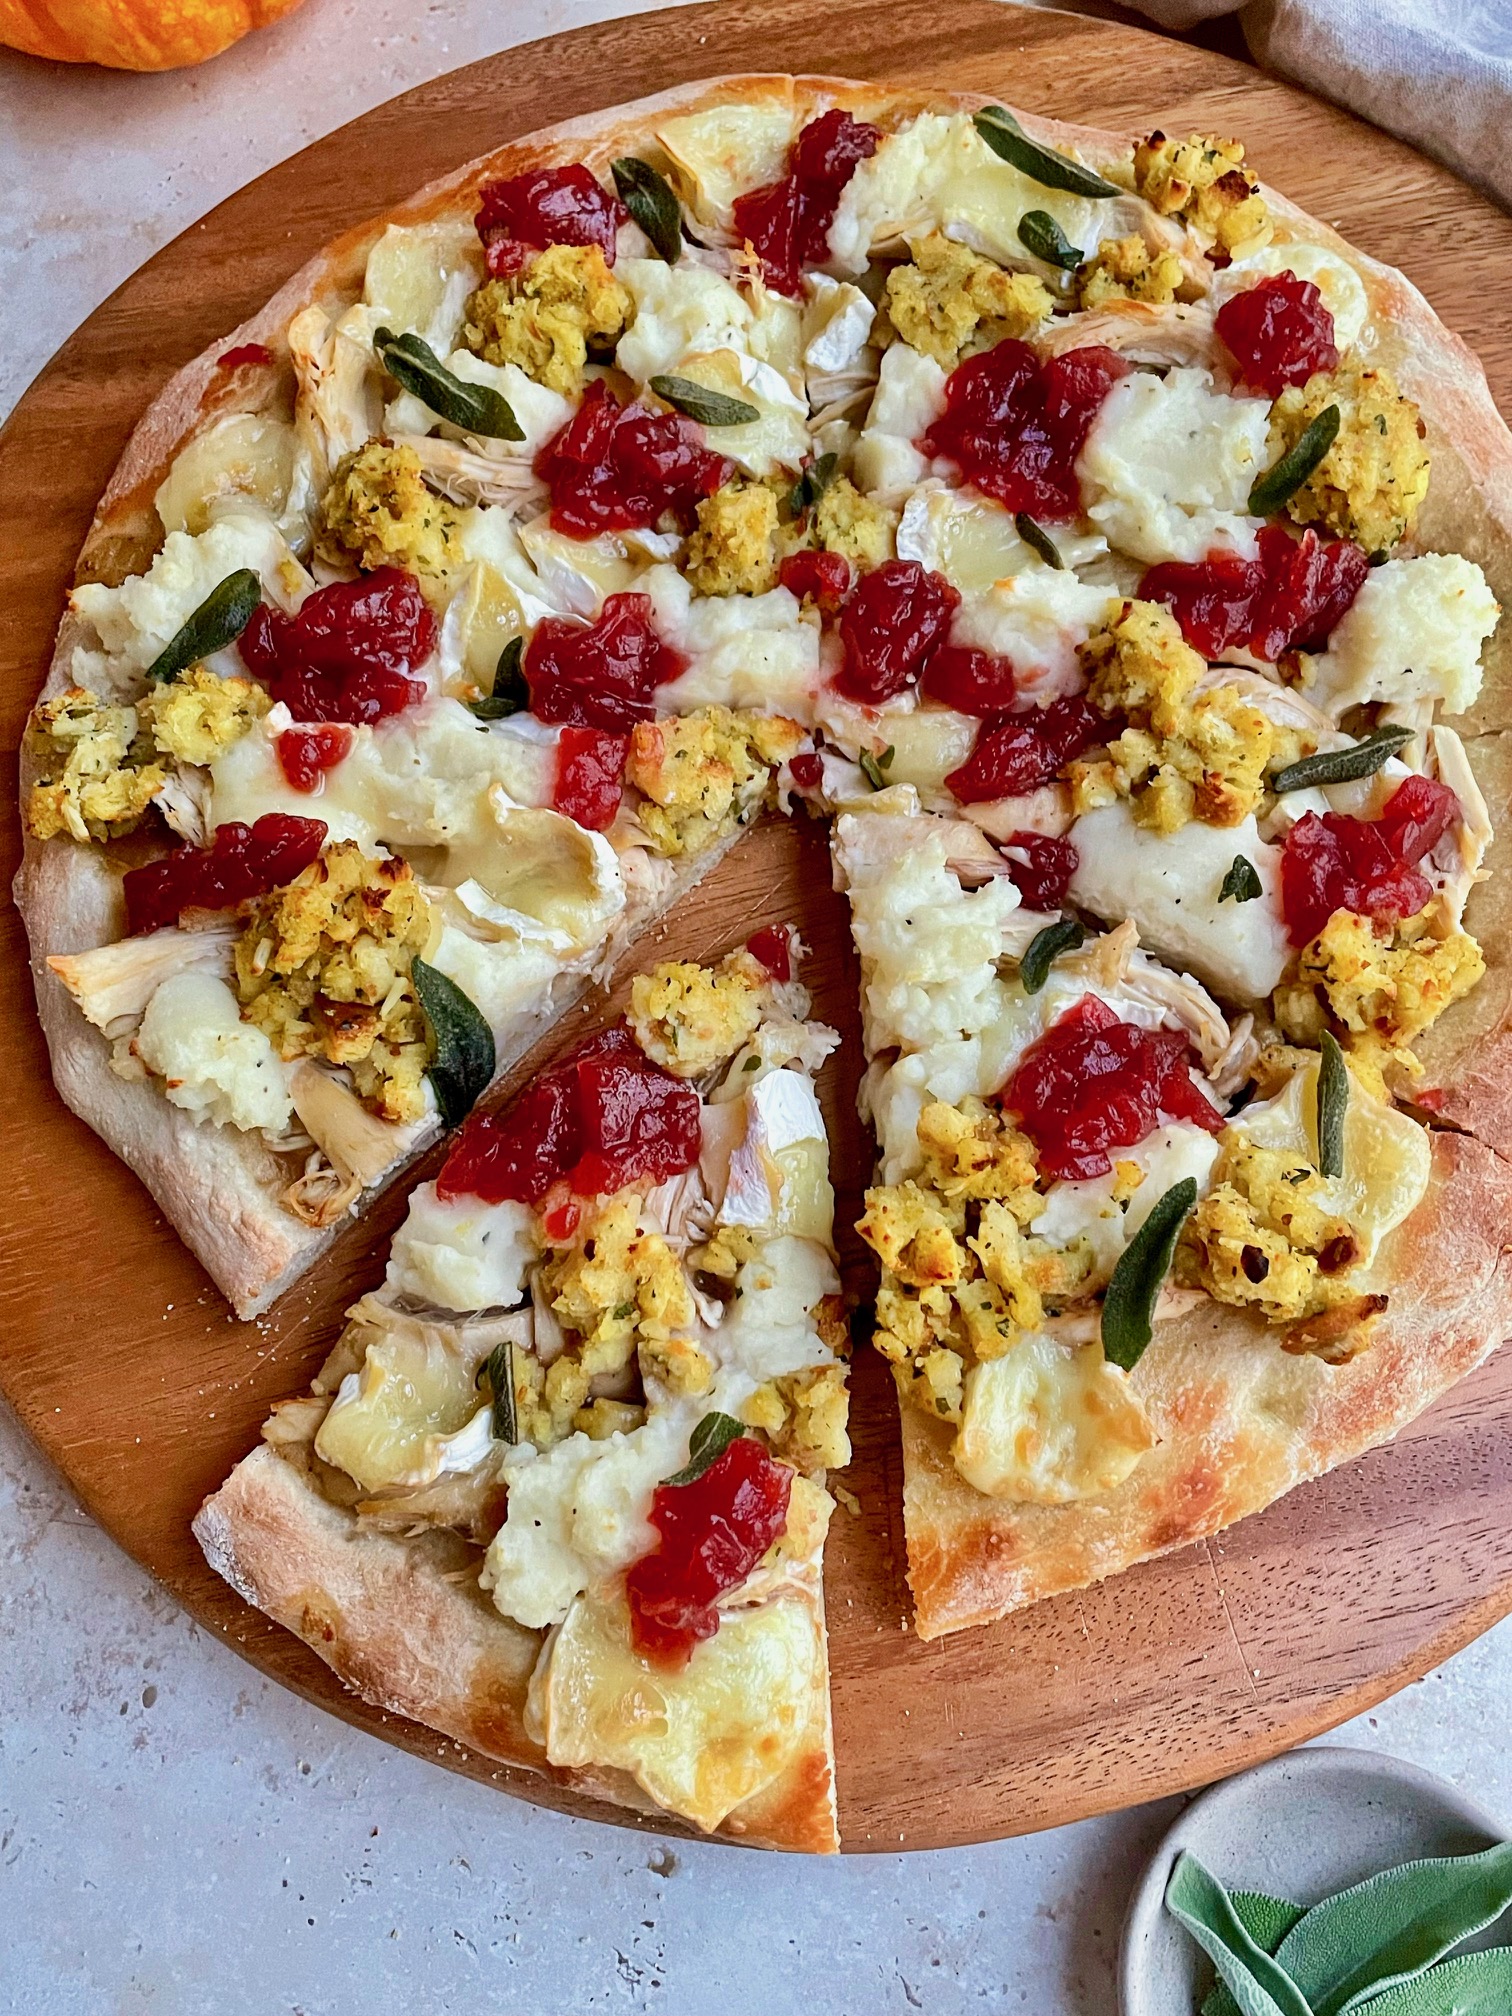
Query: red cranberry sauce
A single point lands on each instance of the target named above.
(604, 1117)
(1014, 427)
(348, 654)
(713, 1531)
(613, 467)
(1092, 1085)
(1369, 866)
(1278, 332)
(807, 769)
(772, 947)
(590, 776)
(244, 354)
(240, 862)
(305, 754)
(898, 614)
(973, 682)
(548, 206)
(602, 674)
(1016, 753)
(1288, 598)
(787, 223)
(825, 578)
(1040, 867)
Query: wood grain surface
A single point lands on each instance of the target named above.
(122, 1360)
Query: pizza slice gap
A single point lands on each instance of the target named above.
(559, 1489)
(1034, 1462)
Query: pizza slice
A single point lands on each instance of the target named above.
(559, 1489)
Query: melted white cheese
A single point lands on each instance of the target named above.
(1415, 633)
(1048, 1424)
(214, 1066)
(973, 542)
(1088, 1210)
(1167, 468)
(460, 1253)
(1036, 620)
(910, 396)
(756, 651)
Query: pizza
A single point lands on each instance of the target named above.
(1109, 554)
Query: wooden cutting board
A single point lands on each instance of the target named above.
(122, 1360)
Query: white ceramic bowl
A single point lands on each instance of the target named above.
(1301, 1827)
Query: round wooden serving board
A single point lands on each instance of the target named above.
(123, 1362)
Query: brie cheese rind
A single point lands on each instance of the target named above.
(1034, 1461)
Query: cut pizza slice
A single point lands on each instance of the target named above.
(559, 1489)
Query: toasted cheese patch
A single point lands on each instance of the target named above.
(726, 152)
(246, 458)
(700, 1741)
(1047, 1424)
(388, 1422)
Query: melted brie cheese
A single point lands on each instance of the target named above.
(460, 1253)
(1088, 1210)
(392, 1423)
(1036, 620)
(419, 277)
(756, 651)
(1170, 883)
(1167, 468)
(1048, 1424)
(701, 1739)
(1415, 633)
(910, 396)
(727, 152)
(973, 542)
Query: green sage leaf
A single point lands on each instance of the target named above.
(1476, 1984)
(1040, 234)
(707, 1443)
(476, 409)
(464, 1044)
(1272, 489)
(872, 767)
(499, 1369)
(1333, 1104)
(510, 694)
(1341, 766)
(1384, 1931)
(813, 483)
(218, 621)
(1128, 1310)
(1008, 140)
(1267, 1921)
(1045, 947)
(1034, 534)
(709, 409)
(1242, 882)
(1259, 1985)
(651, 201)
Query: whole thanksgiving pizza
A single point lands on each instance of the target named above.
(1105, 549)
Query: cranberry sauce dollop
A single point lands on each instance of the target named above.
(1370, 866)
(772, 947)
(604, 1117)
(240, 862)
(1016, 753)
(548, 206)
(1093, 1084)
(1278, 332)
(613, 468)
(348, 654)
(590, 776)
(896, 616)
(1287, 598)
(787, 223)
(305, 754)
(825, 578)
(1040, 867)
(602, 674)
(713, 1531)
(1014, 427)
(973, 682)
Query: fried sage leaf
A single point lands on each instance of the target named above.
(476, 409)
(813, 483)
(1040, 234)
(498, 1369)
(219, 620)
(707, 1443)
(1034, 534)
(510, 694)
(464, 1044)
(1271, 490)
(1128, 1314)
(1045, 947)
(1242, 882)
(873, 767)
(1008, 140)
(651, 201)
(1259, 1985)
(1333, 1104)
(1341, 766)
(709, 409)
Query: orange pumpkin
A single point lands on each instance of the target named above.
(133, 34)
